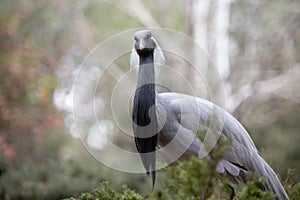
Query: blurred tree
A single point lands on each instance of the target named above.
(265, 43)
(36, 158)
(33, 37)
(258, 41)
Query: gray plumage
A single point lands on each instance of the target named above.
(170, 121)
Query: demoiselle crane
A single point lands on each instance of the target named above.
(170, 121)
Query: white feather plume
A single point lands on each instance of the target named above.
(134, 59)
(159, 58)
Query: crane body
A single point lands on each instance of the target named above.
(170, 121)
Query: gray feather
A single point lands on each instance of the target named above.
(187, 114)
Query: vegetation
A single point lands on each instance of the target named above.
(194, 179)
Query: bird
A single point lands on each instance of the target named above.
(169, 122)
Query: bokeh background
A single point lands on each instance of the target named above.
(255, 45)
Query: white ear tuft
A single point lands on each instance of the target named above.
(134, 60)
(159, 58)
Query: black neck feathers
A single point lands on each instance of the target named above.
(145, 95)
(144, 114)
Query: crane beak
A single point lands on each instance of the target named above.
(141, 46)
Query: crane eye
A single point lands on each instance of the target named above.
(148, 37)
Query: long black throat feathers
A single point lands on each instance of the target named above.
(144, 115)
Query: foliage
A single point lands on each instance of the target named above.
(253, 191)
(106, 193)
(186, 181)
(293, 189)
(196, 179)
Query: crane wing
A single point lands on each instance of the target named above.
(185, 115)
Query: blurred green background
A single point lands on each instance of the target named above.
(42, 43)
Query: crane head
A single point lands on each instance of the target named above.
(145, 44)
